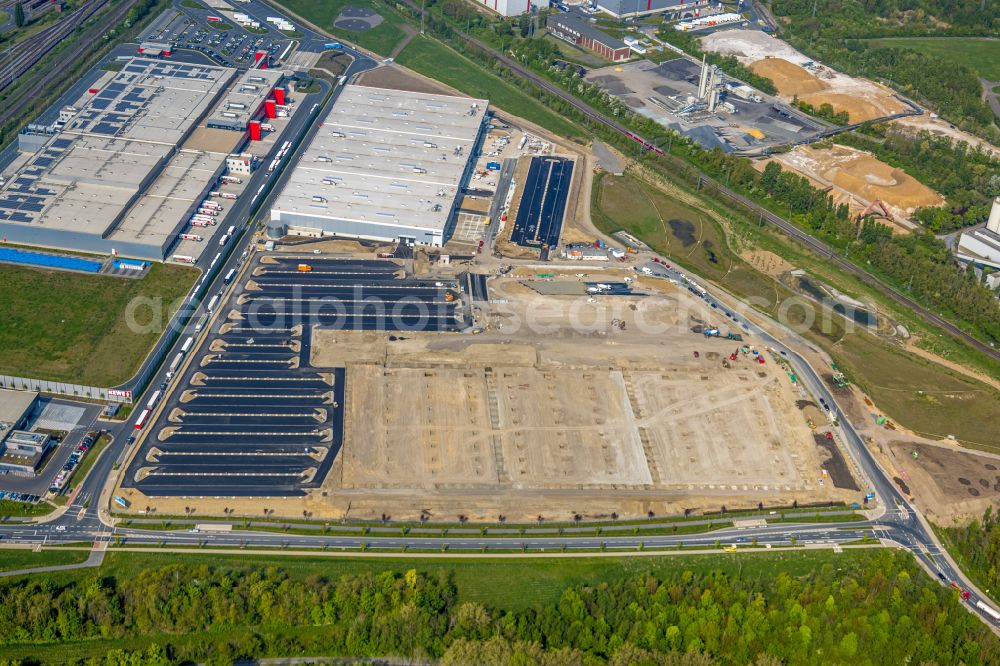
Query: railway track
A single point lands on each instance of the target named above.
(18, 58)
(16, 107)
(762, 213)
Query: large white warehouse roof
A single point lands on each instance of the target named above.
(384, 157)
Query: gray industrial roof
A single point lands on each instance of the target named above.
(579, 25)
(85, 177)
(245, 98)
(386, 157)
(13, 404)
(619, 8)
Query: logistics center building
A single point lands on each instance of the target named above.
(385, 165)
(76, 184)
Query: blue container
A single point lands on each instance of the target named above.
(493, 166)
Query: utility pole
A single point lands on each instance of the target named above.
(422, 3)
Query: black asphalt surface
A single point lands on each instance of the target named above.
(82, 522)
(543, 204)
(248, 416)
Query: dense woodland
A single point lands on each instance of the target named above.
(977, 547)
(889, 612)
(836, 33)
(968, 178)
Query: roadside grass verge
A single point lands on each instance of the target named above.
(437, 61)
(11, 559)
(12, 509)
(88, 461)
(72, 327)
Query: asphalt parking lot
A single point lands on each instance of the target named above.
(248, 416)
(73, 418)
(234, 47)
(543, 204)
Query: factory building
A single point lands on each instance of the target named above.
(22, 452)
(506, 7)
(575, 29)
(250, 98)
(241, 164)
(982, 246)
(386, 165)
(674, 9)
(77, 185)
(17, 452)
(155, 49)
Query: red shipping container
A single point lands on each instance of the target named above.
(279, 96)
(254, 131)
(269, 109)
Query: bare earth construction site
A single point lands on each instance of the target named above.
(554, 411)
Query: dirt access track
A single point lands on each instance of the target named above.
(857, 178)
(818, 85)
(552, 411)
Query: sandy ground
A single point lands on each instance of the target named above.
(943, 128)
(552, 410)
(750, 46)
(857, 178)
(767, 262)
(860, 102)
(777, 60)
(950, 484)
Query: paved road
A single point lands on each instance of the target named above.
(84, 520)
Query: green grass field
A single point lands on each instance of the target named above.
(10, 509)
(435, 60)
(381, 39)
(73, 327)
(502, 583)
(923, 396)
(980, 54)
(11, 559)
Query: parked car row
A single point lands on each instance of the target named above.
(74, 459)
(18, 497)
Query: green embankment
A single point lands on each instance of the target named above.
(435, 60)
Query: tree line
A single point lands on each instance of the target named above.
(977, 547)
(918, 264)
(888, 612)
(968, 178)
(838, 32)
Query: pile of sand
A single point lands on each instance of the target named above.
(862, 100)
(857, 178)
(789, 78)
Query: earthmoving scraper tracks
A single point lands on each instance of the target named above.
(705, 182)
(16, 106)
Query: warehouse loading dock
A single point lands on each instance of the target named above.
(385, 165)
(77, 188)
